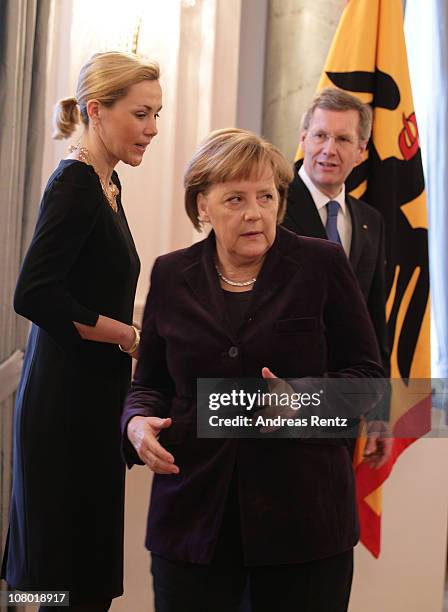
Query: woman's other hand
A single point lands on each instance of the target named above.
(142, 433)
(378, 449)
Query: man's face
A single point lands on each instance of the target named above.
(332, 148)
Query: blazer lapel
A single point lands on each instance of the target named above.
(276, 272)
(302, 210)
(200, 274)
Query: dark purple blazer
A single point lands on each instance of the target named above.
(307, 317)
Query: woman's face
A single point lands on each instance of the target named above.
(243, 215)
(127, 127)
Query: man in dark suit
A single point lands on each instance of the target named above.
(334, 136)
(335, 132)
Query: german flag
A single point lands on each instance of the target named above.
(368, 59)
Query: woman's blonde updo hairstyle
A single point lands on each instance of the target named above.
(233, 154)
(106, 77)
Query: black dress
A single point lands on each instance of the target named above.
(66, 517)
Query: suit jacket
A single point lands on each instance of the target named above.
(367, 251)
(297, 497)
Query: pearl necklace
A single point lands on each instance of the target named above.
(111, 192)
(251, 281)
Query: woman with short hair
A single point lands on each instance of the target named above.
(252, 300)
(77, 286)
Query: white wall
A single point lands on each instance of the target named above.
(409, 576)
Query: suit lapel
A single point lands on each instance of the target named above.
(302, 210)
(303, 213)
(359, 231)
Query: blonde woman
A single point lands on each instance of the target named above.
(77, 286)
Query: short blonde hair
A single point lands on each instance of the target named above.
(333, 99)
(233, 154)
(106, 77)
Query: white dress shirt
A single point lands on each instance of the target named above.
(344, 221)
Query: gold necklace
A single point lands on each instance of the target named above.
(111, 191)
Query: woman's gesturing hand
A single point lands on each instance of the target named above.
(277, 387)
(142, 433)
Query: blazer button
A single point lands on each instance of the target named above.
(233, 351)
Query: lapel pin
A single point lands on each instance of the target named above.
(364, 226)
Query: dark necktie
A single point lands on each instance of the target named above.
(331, 226)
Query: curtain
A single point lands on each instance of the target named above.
(427, 42)
(23, 44)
